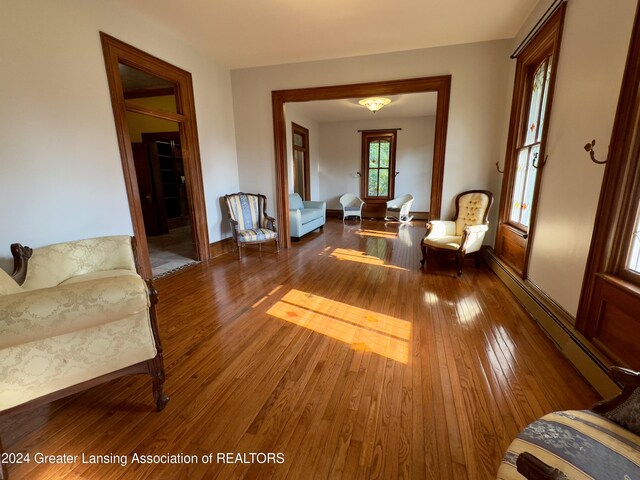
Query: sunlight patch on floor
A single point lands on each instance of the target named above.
(376, 233)
(362, 329)
(361, 257)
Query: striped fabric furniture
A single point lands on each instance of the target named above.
(250, 223)
(601, 443)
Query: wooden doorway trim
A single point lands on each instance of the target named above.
(440, 84)
(116, 52)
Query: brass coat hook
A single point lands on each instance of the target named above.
(498, 167)
(589, 148)
(359, 174)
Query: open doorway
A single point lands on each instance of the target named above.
(155, 120)
(343, 134)
(301, 170)
(163, 194)
(441, 85)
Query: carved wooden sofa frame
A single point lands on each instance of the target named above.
(153, 367)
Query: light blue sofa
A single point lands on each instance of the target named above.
(305, 216)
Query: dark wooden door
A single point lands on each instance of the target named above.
(145, 187)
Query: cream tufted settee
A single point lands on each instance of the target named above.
(81, 316)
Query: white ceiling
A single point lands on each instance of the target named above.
(409, 105)
(249, 33)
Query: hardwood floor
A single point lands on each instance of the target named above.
(338, 353)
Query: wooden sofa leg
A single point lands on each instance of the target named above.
(157, 376)
(423, 262)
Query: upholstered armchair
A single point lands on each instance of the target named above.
(351, 206)
(74, 315)
(399, 208)
(305, 216)
(465, 233)
(250, 223)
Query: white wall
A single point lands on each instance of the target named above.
(292, 114)
(592, 57)
(340, 158)
(60, 169)
(476, 115)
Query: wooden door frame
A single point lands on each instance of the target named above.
(439, 84)
(299, 129)
(116, 52)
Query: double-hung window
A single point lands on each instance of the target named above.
(525, 157)
(378, 164)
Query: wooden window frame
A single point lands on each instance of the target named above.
(545, 43)
(617, 206)
(367, 137)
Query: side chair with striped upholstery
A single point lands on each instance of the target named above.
(250, 223)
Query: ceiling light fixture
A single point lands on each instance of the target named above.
(375, 103)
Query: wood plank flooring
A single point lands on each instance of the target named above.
(338, 353)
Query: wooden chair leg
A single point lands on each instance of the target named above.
(459, 260)
(278, 246)
(423, 262)
(478, 259)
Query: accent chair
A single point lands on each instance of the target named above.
(250, 223)
(351, 206)
(399, 208)
(465, 233)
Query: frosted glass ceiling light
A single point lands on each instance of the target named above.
(374, 104)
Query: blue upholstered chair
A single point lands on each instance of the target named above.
(305, 216)
(249, 220)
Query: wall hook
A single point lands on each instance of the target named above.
(589, 148)
(397, 174)
(359, 174)
(498, 167)
(544, 162)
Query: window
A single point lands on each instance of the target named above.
(378, 164)
(633, 259)
(528, 151)
(530, 111)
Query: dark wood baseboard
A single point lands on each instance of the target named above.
(558, 324)
(221, 247)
